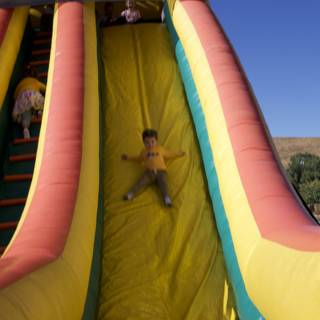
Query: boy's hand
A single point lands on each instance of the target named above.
(124, 157)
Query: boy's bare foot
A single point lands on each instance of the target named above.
(167, 201)
(128, 196)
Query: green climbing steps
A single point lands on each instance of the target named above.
(20, 153)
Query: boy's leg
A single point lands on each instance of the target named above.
(161, 181)
(26, 121)
(146, 179)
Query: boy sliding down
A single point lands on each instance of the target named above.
(153, 157)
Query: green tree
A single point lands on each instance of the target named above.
(310, 192)
(303, 168)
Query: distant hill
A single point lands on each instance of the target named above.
(287, 147)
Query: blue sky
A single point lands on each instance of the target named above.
(278, 43)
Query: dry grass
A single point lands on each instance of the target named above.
(287, 147)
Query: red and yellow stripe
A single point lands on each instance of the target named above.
(275, 241)
(12, 25)
(44, 273)
(5, 16)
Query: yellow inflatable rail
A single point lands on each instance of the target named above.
(13, 23)
(45, 271)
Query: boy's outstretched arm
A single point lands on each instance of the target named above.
(168, 154)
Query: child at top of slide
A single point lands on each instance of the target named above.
(153, 157)
(131, 14)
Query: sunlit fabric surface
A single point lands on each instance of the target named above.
(158, 263)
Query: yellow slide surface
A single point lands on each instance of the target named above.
(158, 263)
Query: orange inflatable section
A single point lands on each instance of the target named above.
(44, 230)
(5, 15)
(270, 197)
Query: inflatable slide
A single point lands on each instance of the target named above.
(18, 154)
(237, 243)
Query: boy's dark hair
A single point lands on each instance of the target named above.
(149, 133)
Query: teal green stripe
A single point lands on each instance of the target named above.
(246, 308)
(91, 305)
(90, 309)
